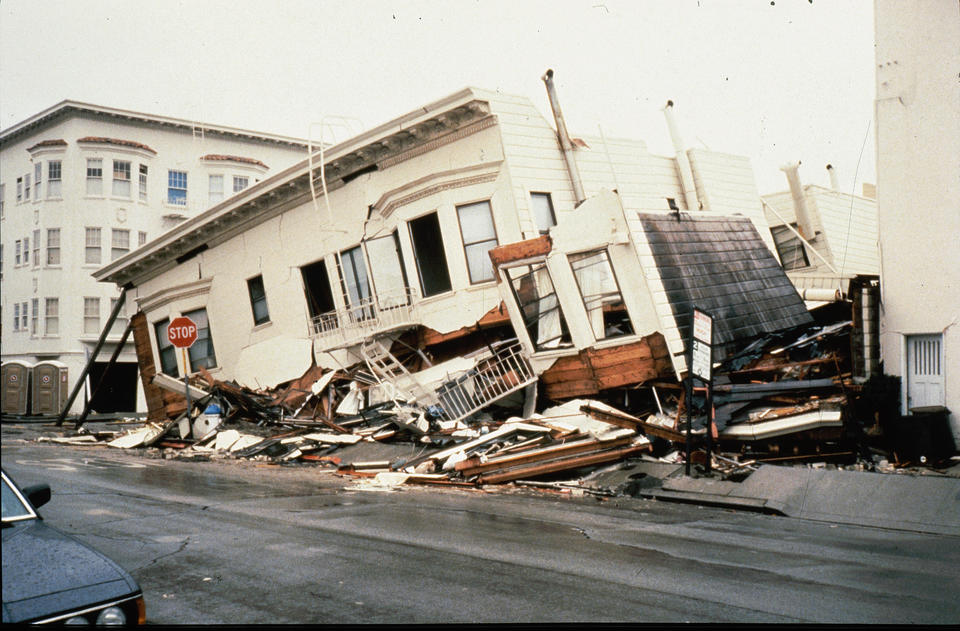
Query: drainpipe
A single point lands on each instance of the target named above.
(834, 182)
(799, 200)
(565, 144)
(683, 162)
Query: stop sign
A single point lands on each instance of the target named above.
(182, 332)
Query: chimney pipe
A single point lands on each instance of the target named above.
(565, 144)
(683, 162)
(799, 200)
(834, 182)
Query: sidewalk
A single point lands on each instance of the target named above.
(918, 503)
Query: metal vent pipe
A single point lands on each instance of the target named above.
(834, 181)
(799, 200)
(683, 162)
(565, 143)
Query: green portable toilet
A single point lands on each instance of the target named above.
(16, 386)
(50, 387)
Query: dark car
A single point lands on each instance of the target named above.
(51, 577)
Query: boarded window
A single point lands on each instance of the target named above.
(428, 251)
(601, 295)
(542, 316)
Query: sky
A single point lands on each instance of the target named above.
(776, 81)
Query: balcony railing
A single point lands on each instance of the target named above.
(372, 316)
(492, 378)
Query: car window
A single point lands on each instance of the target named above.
(14, 506)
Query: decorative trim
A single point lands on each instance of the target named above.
(463, 132)
(166, 296)
(47, 144)
(116, 141)
(242, 160)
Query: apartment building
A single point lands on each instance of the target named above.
(82, 185)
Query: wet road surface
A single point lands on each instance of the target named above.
(243, 542)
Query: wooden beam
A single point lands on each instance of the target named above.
(530, 248)
(609, 455)
(474, 466)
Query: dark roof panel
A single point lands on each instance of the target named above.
(721, 265)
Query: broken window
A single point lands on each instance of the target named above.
(479, 237)
(319, 295)
(166, 350)
(201, 353)
(355, 285)
(258, 300)
(429, 254)
(543, 211)
(789, 247)
(601, 295)
(388, 272)
(542, 316)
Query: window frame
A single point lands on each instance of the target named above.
(204, 341)
(94, 177)
(89, 246)
(142, 180)
(117, 251)
(240, 178)
(166, 351)
(54, 174)
(564, 339)
(601, 296)
(174, 177)
(549, 208)
(417, 251)
(54, 247)
(91, 315)
(256, 283)
(487, 270)
(37, 179)
(122, 174)
(35, 258)
(214, 196)
(51, 314)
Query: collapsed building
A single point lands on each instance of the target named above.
(462, 256)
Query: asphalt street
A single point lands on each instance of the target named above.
(241, 542)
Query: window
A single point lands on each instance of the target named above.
(479, 237)
(16, 316)
(143, 182)
(16, 259)
(387, 271)
(258, 300)
(121, 178)
(34, 315)
(19, 189)
(92, 253)
(53, 246)
(141, 238)
(215, 189)
(26, 187)
(177, 188)
(54, 178)
(543, 214)
(792, 253)
(94, 176)
(51, 318)
(355, 285)
(428, 252)
(201, 353)
(36, 248)
(240, 182)
(601, 295)
(542, 316)
(23, 316)
(119, 243)
(26, 251)
(166, 350)
(319, 295)
(37, 176)
(91, 316)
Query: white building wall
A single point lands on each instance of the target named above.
(74, 210)
(918, 182)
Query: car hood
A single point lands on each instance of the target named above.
(46, 572)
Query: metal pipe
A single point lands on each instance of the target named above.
(824, 294)
(806, 243)
(799, 199)
(565, 143)
(683, 162)
(834, 180)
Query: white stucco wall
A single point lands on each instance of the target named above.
(918, 181)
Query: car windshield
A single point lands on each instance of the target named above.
(14, 505)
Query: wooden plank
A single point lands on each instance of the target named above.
(474, 466)
(618, 418)
(564, 464)
(520, 250)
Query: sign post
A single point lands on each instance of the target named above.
(182, 333)
(701, 366)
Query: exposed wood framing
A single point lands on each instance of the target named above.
(593, 370)
(520, 250)
(564, 464)
(155, 396)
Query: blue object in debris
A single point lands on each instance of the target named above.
(212, 409)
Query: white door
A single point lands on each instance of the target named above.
(924, 370)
